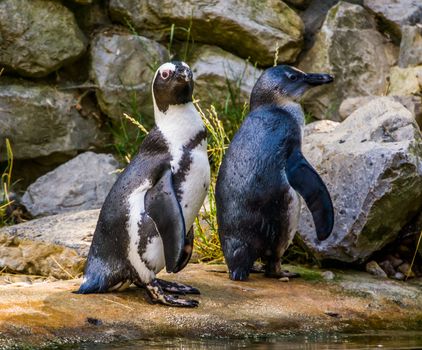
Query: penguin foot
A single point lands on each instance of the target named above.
(177, 288)
(282, 273)
(157, 295)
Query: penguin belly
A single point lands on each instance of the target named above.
(194, 188)
(291, 220)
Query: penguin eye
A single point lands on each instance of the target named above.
(165, 74)
(292, 77)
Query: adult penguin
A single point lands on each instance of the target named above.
(257, 204)
(143, 222)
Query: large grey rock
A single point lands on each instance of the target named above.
(349, 47)
(405, 81)
(40, 120)
(123, 66)
(412, 102)
(81, 183)
(248, 29)
(38, 36)
(395, 13)
(220, 76)
(411, 46)
(371, 165)
(51, 246)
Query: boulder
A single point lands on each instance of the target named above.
(411, 46)
(220, 76)
(51, 246)
(38, 36)
(374, 269)
(405, 81)
(394, 14)
(411, 102)
(248, 29)
(41, 120)
(123, 66)
(79, 184)
(349, 47)
(371, 165)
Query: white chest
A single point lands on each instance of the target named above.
(194, 188)
(180, 125)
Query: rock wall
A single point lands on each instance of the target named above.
(54, 52)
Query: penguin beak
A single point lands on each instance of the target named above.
(318, 79)
(184, 74)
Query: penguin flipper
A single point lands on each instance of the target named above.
(305, 180)
(162, 206)
(187, 250)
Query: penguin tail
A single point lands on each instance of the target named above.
(239, 274)
(92, 285)
(239, 258)
(98, 278)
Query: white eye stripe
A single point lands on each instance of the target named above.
(167, 67)
(297, 70)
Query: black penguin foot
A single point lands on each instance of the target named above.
(282, 273)
(157, 295)
(177, 288)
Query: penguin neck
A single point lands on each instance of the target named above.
(179, 123)
(295, 110)
(290, 106)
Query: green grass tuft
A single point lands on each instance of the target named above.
(6, 183)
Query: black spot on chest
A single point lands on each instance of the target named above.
(186, 160)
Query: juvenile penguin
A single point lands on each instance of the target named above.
(146, 220)
(257, 204)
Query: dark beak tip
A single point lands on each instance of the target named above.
(330, 78)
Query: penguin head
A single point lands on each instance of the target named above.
(172, 85)
(283, 83)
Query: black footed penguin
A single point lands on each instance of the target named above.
(146, 220)
(257, 204)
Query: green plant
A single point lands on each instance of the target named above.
(207, 243)
(187, 44)
(5, 182)
(127, 139)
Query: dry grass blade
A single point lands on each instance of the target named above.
(409, 271)
(62, 268)
(217, 137)
(120, 304)
(136, 123)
